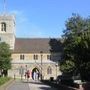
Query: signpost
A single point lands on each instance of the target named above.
(41, 63)
(21, 71)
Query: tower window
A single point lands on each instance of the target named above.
(3, 26)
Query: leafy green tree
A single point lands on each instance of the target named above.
(5, 58)
(76, 52)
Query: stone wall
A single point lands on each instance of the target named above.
(30, 66)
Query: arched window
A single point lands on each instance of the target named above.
(21, 70)
(49, 70)
(3, 26)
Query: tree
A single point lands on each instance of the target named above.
(5, 58)
(76, 52)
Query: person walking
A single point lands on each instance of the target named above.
(34, 75)
(28, 75)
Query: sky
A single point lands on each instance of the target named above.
(44, 18)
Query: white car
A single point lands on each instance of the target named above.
(77, 79)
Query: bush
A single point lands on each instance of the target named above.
(3, 80)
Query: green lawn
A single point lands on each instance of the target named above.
(4, 80)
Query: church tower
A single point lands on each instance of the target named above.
(7, 28)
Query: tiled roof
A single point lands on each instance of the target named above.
(33, 45)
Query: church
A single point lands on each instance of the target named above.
(41, 54)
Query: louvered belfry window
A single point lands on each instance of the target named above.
(3, 26)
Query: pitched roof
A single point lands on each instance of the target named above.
(32, 45)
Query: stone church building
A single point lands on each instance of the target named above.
(41, 54)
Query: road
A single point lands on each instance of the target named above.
(30, 85)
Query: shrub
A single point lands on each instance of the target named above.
(3, 80)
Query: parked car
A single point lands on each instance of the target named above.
(58, 80)
(77, 79)
(64, 79)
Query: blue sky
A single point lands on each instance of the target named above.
(44, 18)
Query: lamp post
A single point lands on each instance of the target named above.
(21, 71)
(41, 53)
(25, 71)
(26, 67)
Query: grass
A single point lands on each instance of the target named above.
(4, 80)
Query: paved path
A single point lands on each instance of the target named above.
(31, 85)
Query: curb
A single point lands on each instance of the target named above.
(4, 86)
